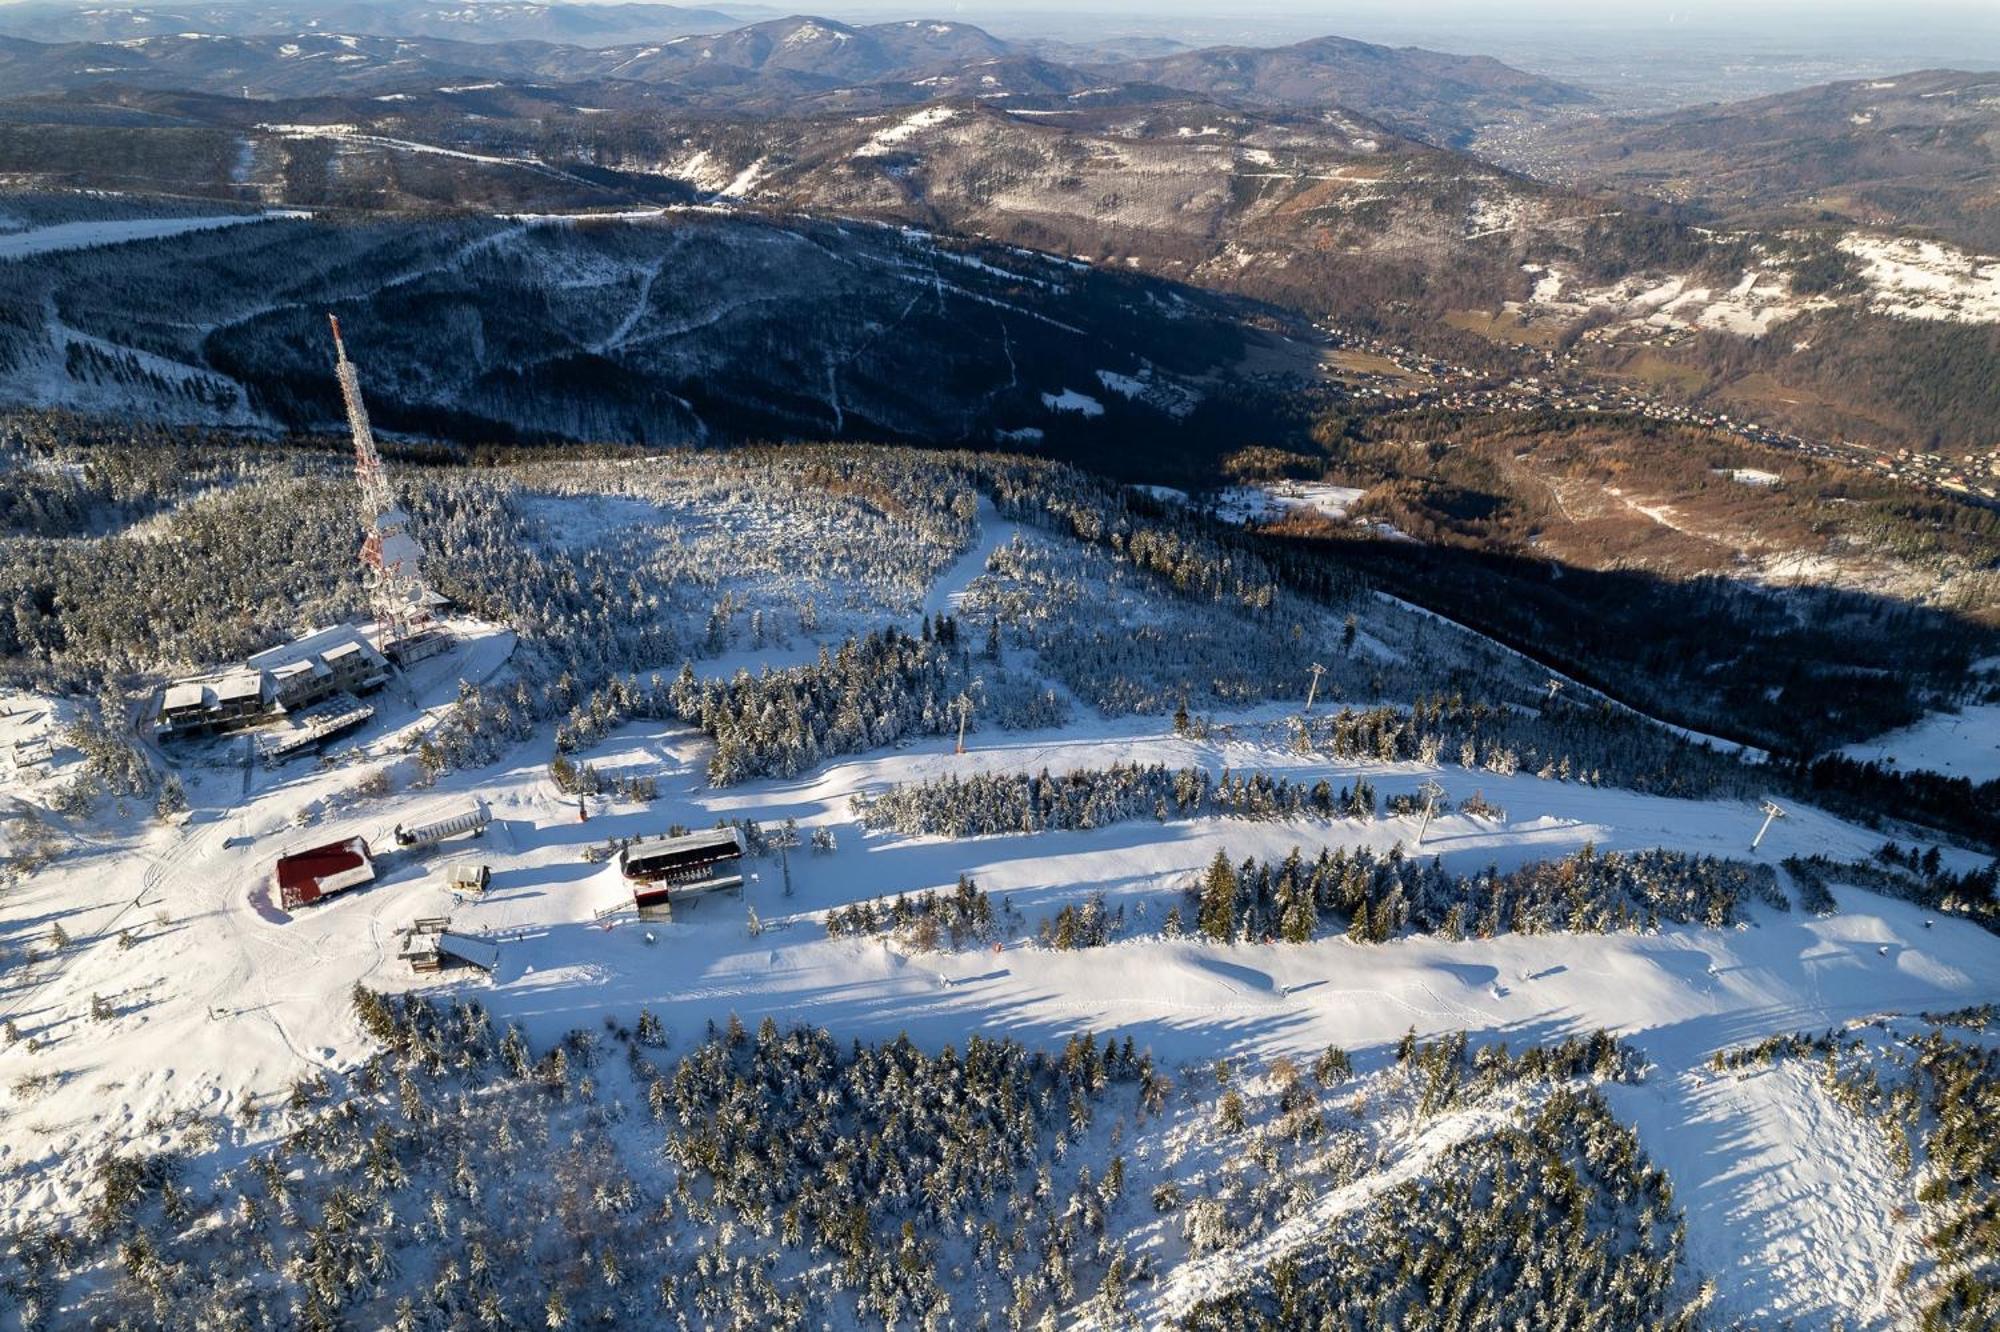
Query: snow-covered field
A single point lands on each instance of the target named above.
(1259, 504)
(1918, 279)
(215, 993)
(1760, 300)
(890, 138)
(1957, 744)
(85, 235)
(1903, 277)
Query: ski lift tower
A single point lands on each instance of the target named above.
(1771, 815)
(1432, 793)
(963, 703)
(390, 556)
(1312, 690)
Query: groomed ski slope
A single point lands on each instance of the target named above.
(85, 235)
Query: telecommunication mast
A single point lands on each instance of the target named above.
(390, 557)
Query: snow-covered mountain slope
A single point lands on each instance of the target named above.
(176, 944)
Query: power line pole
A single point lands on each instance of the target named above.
(1312, 690)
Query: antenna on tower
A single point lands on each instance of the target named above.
(1771, 815)
(390, 556)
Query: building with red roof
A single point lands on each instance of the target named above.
(306, 876)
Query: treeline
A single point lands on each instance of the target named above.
(1878, 791)
(1628, 750)
(1371, 897)
(987, 803)
(1907, 875)
(1381, 896)
(930, 922)
(925, 922)
(872, 692)
(1594, 742)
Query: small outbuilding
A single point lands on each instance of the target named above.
(467, 876)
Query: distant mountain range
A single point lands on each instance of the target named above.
(1451, 202)
(1446, 97)
(759, 67)
(477, 21)
(1919, 149)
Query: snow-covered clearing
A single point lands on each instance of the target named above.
(1493, 217)
(743, 182)
(1069, 400)
(1149, 386)
(85, 235)
(1761, 300)
(1919, 279)
(349, 134)
(1957, 744)
(892, 137)
(1258, 504)
(1792, 1203)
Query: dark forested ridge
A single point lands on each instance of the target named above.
(673, 329)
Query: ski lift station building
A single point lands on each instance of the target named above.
(681, 867)
(472, 819)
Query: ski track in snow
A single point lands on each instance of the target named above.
(947, 594)
(1195, 1279)
(620, 334)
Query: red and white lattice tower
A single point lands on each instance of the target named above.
(390, 556)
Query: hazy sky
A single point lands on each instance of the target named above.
(1807, 19)
(1651, 54)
